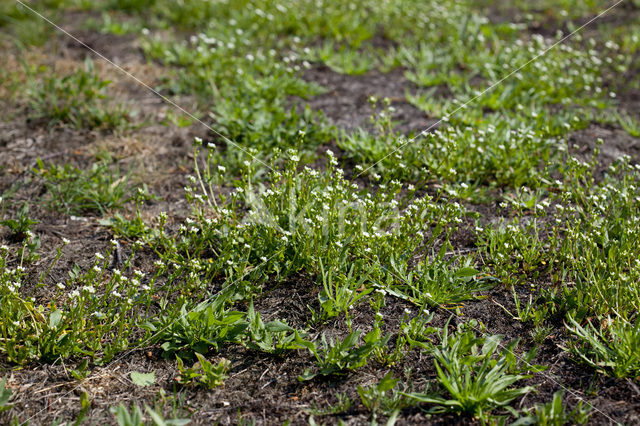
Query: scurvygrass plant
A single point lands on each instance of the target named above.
(341, 356)
(307, 220)
(475, 375)
(79, 99)
(612, 347)
(94, 313)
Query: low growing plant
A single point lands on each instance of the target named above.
(612, 348)
(474, 375)
(76, 191)
(555, 413)
(337, 357)
(79, 99)
(382, 398)
(21, 225)
(203, 373)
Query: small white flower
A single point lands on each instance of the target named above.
(60, 286)
(65, 241)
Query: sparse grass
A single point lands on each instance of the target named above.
(488, 216)
(75, 191)
(78, 99)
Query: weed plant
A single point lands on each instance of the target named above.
(79, 99)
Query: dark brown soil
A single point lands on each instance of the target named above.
(346, 102)
(616, 143)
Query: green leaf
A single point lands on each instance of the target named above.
(387, 382)
(466, 272)
(54, 319)
(143, 379)
(5, 394)
(307, 375)
(277, 327)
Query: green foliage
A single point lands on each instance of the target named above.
(96, 316)
(601, 224)
(5, 395)
(476, 376)
(381, 398)
(344, 60)
(340, 292)
(352, 239)
(206, 326)
(19, 24)
(555, 413)
(273, 337)
(527, 311)
(203, 373)
(76, 191)
(629, 123)
(439, 282)
(21, 225)
(518, 247)
(124, 417)
(613, 348)
(126, 228)
(135, 417)
(78, 99)
(342, 355)
(304, 219)
(492, 153)
(143, 379)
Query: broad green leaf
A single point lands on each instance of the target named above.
(143, 379)
(54, 318)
